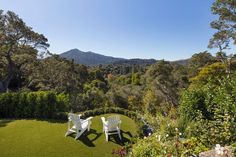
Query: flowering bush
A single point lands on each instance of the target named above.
(155, 146)
(209, 112)
(121, 152)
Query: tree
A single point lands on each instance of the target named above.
(225, 9)
(225, 29)
(160, 76)
(152, 102)
(135, 78)
(225, 25)
(58, 74)
(197, 61)
(19, 45)
(213, 72)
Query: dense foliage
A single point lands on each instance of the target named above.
(19, 45)
(189, 105)
(209, 112)
(33, 105)
(156, 145)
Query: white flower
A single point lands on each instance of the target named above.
(217, 146)
(219, 150)
(158, 137)
(180, 134)
(176, 129)
(167, 135)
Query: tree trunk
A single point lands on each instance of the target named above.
(2, 87)
(11, 68)
(5, 83)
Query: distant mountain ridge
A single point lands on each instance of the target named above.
(135, 61)
(93, 59)
(88, 58)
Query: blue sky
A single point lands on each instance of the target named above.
(160, 29)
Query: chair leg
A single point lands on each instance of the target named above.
(119, 135)
(79, 134)
(89, 126)
(106, 136)
(67, 133)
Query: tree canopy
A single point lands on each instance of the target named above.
(19, 45)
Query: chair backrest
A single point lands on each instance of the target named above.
(75, 120)
(113, 118)
(113, 122)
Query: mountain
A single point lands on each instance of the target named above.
(135, 61)
(88, 58)
(93, 59)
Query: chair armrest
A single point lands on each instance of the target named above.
(89, 118)
(104, 121)
(86, 120)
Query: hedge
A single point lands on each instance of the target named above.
(141, 123)
(99, 111)
(50, 105)
(42, 104)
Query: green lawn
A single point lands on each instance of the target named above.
(35, 138)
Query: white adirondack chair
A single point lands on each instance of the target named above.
(79, 125)
(111, 126)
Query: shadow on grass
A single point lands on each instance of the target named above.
(87, 141)
(115, 138)
(4, 123)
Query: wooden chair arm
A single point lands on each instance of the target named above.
(104, 122)
(86, 120)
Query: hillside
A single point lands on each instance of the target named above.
(88, 58)
(93, 59)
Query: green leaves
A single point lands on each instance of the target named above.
(214, 72)
(19, 46)
(225, 25)
(32, 104)
(208, 111)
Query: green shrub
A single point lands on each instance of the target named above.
(62, 102)
(193, 146)
(148, 147)
(208, 111)
(60, 116)
(42, 104)
(153, 147)
(30, 101)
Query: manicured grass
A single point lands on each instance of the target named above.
(35, 138)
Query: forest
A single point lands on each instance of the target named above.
(195, 100)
